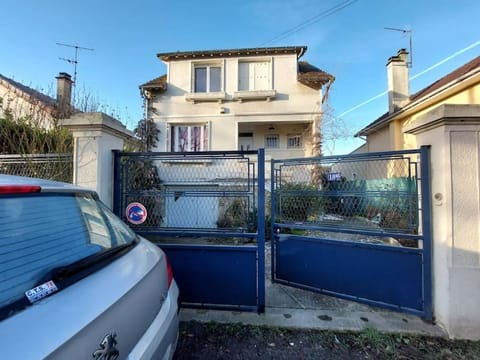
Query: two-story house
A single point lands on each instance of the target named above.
(238, 99)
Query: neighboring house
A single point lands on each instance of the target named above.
(21, 101)
(238, 99)
(388, 132)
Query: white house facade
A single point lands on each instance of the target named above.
(236, 99)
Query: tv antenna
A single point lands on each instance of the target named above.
(409, 33)
(73, 61)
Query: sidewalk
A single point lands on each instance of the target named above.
(296, 308)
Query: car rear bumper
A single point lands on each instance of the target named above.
(160, 339)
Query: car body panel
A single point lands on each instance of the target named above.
(126, 306)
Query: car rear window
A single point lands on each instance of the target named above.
(39, 232)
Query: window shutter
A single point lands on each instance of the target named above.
(261, 79)
(243, 76)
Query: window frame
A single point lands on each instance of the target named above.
(174, 146)
(297, 138)
(208, 77)
(269, 137)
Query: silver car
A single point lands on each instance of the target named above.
(76, 282)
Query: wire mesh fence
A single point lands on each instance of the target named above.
(207, 191)
(379, 194)
(57, 167)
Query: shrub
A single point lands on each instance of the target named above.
(297, 202)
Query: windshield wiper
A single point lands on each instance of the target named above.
(64, 276)
(86, 266)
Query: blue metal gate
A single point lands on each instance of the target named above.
(356, 227)
(206, 210)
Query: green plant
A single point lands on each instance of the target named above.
(371, 338)
(21, 137)
(297, 202)
(234, 216)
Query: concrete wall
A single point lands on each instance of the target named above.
(453, 132)
(294, 105)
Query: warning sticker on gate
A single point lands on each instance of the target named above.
(136, 213)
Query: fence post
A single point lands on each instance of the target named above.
(95, 135)
(117, 186)
(272, 218)
(453, 131)
(261, 230)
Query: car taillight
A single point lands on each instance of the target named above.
(169, 272)
(19, 189)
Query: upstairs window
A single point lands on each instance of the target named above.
(187, 138)
(208, 78)
(255, 75)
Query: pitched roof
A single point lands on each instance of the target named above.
(419, 95)
(35, 94)
(462, 70)
(157, 83)
(212, 54)
(312, 76)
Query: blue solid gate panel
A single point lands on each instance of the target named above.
(378, 273)
(224, 276)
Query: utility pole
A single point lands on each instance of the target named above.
(74, 61)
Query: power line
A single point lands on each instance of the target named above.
(311, 21)
(459, 52)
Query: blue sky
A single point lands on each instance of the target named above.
(351, 44)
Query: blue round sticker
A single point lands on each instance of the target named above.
(136, 213)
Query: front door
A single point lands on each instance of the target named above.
(245, 141)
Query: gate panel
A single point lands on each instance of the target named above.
(353, 271)
(215, 276)
(355, 226)
(206, 210)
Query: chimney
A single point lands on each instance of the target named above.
(64, 93)
(397, 75)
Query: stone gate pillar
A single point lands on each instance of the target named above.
(453, 132)
(95, 135)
